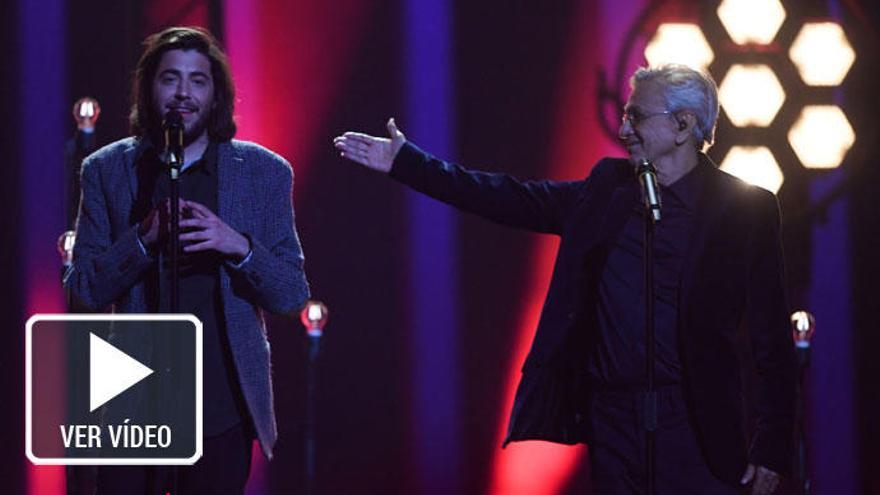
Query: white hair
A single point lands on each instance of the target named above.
(686, 89)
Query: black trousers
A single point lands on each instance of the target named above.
(617, 448)
(222, 470)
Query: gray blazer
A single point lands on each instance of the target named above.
(255, 198)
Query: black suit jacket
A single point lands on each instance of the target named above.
(733, 274)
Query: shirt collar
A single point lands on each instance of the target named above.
(687, 188)
(207, 162)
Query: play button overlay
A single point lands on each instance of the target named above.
(111, 371)
(113, 389)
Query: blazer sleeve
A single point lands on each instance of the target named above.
(539, 206)
(274, 270)
(103, 268)
(768, 318)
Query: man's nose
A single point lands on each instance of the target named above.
(182, 91)
(625, 129)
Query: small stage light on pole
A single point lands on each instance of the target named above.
(314, 318)
(65, 247)
(803, 327)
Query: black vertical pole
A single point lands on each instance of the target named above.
(174, 156)
(311, 416)
(313, 317)
(650, 392)
(803, 475)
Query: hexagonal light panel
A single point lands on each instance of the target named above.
(680, 44)
(822, 54)
(751, 21)
(751, 95)
(755, 165)
(821, 136)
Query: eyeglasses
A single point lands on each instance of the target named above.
(635, 118)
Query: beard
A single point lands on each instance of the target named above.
(195, 131)
(191, 132)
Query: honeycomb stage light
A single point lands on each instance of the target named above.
(755, 165)
(679, 43)
(751, 95)
(821, 136)
(822, 54)
(751, 21)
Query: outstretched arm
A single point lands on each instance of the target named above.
(540, 206)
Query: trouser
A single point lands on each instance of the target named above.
(617, 447)
(223, 469)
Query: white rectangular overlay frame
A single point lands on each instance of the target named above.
(118, 461)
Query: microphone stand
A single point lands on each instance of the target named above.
(803, 474)
(803, 327)
(650, 391)
(174, 160)
(652, 216)
(311, 399)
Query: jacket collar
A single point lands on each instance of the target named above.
(712, 201)
(230, 175)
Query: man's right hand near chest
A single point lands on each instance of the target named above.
(155, 227)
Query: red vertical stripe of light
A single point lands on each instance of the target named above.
(531, 468)
(543, 468)
(44, 295)
(241, 33)
(161, 14)
(289, 60)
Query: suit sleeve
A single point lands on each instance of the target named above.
(772, 346)
(539, 206)
(274, 270)
(103, 268)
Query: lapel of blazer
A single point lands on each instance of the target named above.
(623, 199)
(230, 179)
(711, 204)
(130, 157)
(624, 196)
(607, 209)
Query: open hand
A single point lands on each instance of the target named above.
(210, 232)
(155, 227)
(373, 152)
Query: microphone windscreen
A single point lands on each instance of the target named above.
(172, 120)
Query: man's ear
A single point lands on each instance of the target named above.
(686, 123)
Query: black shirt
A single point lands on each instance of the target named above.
(223, 405)
(618, 359)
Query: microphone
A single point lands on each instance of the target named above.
(172, 124)
(650, 192)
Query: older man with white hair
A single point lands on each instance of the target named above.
(718, 268)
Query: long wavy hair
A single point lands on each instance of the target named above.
(144, 120)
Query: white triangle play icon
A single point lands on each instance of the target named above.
(111, 371)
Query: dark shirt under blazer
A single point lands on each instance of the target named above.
(618, 359)
(732, 272)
